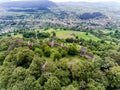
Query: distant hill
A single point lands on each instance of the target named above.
(90, 3)
(28, 4)
(86, 16)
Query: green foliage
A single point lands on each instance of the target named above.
(4, 43)
(20, 80)
(64, 69)
(34, 68)
(5, 75)
(43, 35)
(116, 34)
(87, 33)
(54, 34)
(77, 71)
(53, 83)
(70, 87)
(38, 52)
(114, 77)
(92, 85)
(44, 77)
(62, 64)
(47, 51)
(33, 35)
(72, 49)
(63, 53)
(56, 56)
(51, 67)
(63, 76)
(29, 34)
(100, 77)
(105, 63)
(24, 57)
(2, 57)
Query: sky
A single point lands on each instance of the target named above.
(69, 0)
(85, 0)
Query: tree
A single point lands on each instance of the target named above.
(63, 76)
(38, 51)
(2, 57)
(72, 49)
(17, 78)
(92, 85)
(56, 56)
(105, 63)
(4, 43)
(70, 87)
(35, 66)
(63, 53)
(43, 35)
(24, 57)
(31, 83)
(102, 41)
(23, 81)
(5, 73)
(116, 31)
(29, 34)
(77, 37)
(54, 34)
(78, 71)
(114, 77)
(51, 67)
(87, 33)
(62, 64)
(53, 83)
(69, 40)
(47, 52)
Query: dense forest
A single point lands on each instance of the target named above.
(86, 16)
(42, 61)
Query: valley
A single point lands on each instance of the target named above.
(47, 45)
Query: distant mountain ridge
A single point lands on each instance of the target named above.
(28, 4)
(91, 3)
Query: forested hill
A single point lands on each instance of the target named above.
(46, 61)
(29, 4)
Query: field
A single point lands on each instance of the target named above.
(73, 34)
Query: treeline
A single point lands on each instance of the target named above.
(86, 16)
(36, 35)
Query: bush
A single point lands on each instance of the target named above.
(72, 50)
(38, 52)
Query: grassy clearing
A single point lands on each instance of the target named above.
(18, 35)
(107, 31)
(71, 58)
(64, 34)
(69, 34)
(87, 37)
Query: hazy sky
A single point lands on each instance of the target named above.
(68, 0)
(86, 0)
